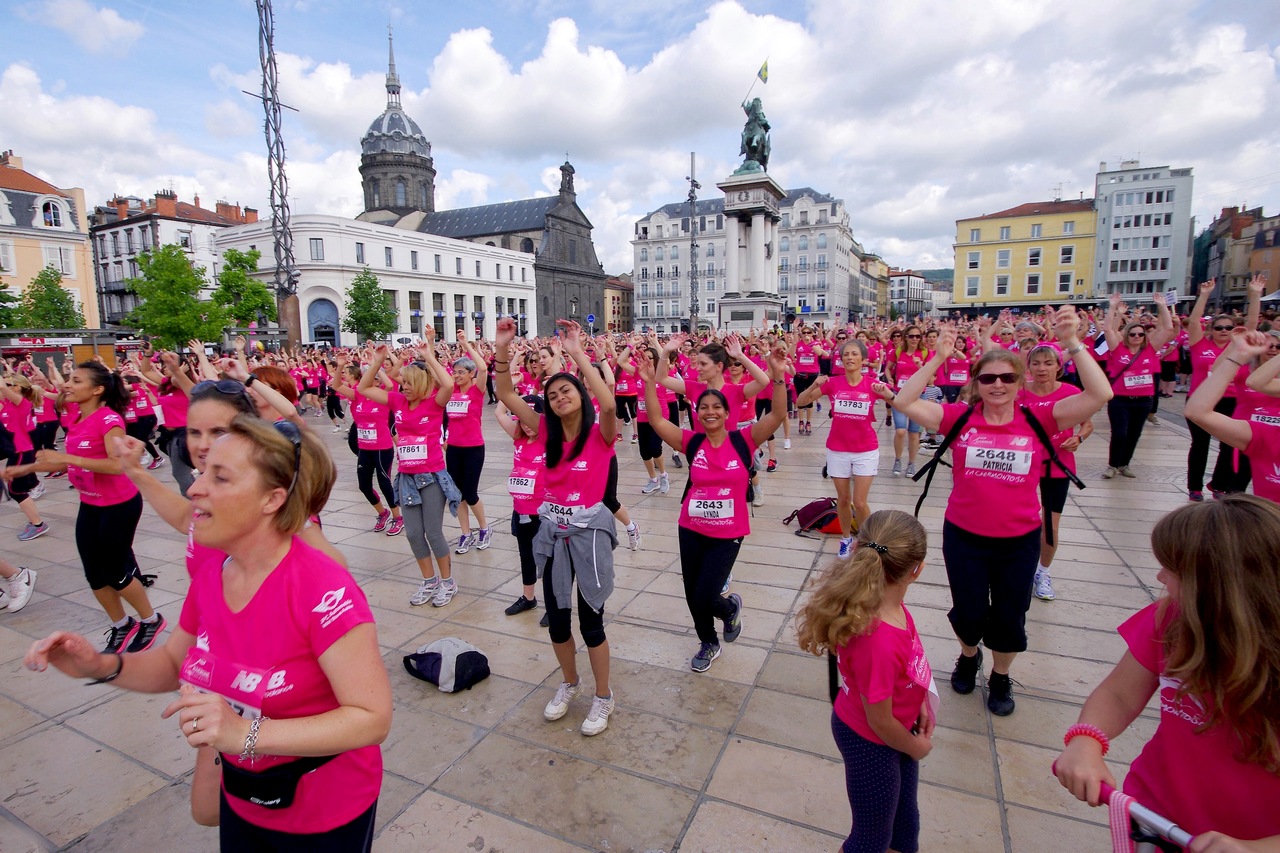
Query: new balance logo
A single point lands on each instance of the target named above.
(246, 681)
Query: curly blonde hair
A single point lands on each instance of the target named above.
(846, 599)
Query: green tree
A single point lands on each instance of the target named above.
(170, 309)
(369, 313)
(241, 296)
(46, 304)
(10, 308)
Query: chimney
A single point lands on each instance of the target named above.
(122, 207)
(227, 210)
(250, 215)
(167, 203)
(8, 158)
(197, 201)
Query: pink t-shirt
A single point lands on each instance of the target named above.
(370, 418)
(1068, 458)
(578, 483)
(265, 661)
(806, 358)
(45, 410)
(716, 505)
(1187, 776)
(528, 471)
(70, 414)
(625, 384)
(19, 419)
(418, 432)
(141, 398)
(1203, 355)
(665, 396)
(1262, 411)
(954, 371)
(174, 405)
(746, 414)
(887, 662)
(853, 414)
(1133, 375)
(997, 471)
(465, 409)
(88, 438)
(732, 394)
(907, 365)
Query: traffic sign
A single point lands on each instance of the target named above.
(591, 318)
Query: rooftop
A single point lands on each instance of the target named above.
(526, 214)
(1039, 208)
(713, 206)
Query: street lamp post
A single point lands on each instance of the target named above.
(694, 186)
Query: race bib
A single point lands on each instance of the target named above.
(745, 424)
(1001, 459)
(1138, 380)
(711, 508)
(412, 452)
(808, 361)
(366, 433)
(244, 687)
(853, 408)
(1265, 420)
(459, 407)
(640, 405)
(520, 485)
(958, 376)
(561, 514)
(902, 381)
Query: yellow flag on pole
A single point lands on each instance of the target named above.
(763, 73)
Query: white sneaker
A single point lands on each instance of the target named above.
(664, 484)
(1044, 586)
(338, 429)
(559, 705)
(426, 591)
(1109, 473)
(846, 548)
(444, 594)
(650, 487)
(38, 492)
(465, 541)
(598, 717)
(633, 538)
(759, 494)
(21, 586)
(786, 444)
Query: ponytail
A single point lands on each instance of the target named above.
(114, 396)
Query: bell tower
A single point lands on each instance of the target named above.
(397, 173)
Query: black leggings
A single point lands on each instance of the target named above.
(465, 465)
(803, 381)
(1226, 476)
(990, 579)
(141, 429)
(104, 538)
(20, 488)
(45, 435)
(626, 404)
(610, 498)
(705, 564)
(650, 444)
(370, 463)
(882, 785)
(333, 405)
(1128, 415)
(525, 531)
(560, 620)
(236, 833)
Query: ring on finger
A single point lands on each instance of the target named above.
(195, 725)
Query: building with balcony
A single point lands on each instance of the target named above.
(1143, 242)
(619, 296)
(41, 226)
(1233, 256)
(127, 226)
(909, 294)
(1035, 254)
(816, 260)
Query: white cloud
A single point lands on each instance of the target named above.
(94, 29)
(462, 188)
(228, 119)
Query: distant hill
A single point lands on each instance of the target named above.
(938, 275)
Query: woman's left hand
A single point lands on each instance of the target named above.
(54, 457)
(206, 719)
(883, 391)
(1216, 842)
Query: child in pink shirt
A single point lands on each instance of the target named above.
(885, 711)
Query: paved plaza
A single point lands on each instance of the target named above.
(738, 759)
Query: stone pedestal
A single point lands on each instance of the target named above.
(752, 214)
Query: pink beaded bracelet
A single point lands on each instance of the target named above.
(1088, 731)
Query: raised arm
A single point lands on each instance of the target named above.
(924, 412)
(671, 434)
(759, 379)
(1164, 331)
(765, 426)
(572, 337)
(443, 377)
(1199, 409)
(1257, 285)
(1096, 389)
(482, 368)
(1111, 324)
(369, 381)
(1195, 324)
(506, 390)
(670, 380)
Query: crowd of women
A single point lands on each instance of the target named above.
(1009, 400)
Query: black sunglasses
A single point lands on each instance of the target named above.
(230, 387)
(1137, 334)
(1223, 328)
(913, 337)
(290, 430)
(990, 378)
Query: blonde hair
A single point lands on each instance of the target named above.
(25, 388)
(1015, 361)
(1223, 643)
(846, 600)
(273, 456)
(418, 383)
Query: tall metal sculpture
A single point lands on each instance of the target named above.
(286, 273)
(694, 186)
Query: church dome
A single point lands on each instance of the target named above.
(394, 132)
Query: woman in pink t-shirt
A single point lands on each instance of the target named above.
(276, 656)
(883, 717)
(714, 515)
(464, 455)
(907, 362)
(375, 448)
(525, 484)
(1133, 368)
(110, 506)
(991, 533)
(1204, 647)
(17, 414)
(650, 444)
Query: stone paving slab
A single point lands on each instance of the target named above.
(740, 758)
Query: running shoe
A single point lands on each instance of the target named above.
(965, 676)
(819, 405)
(1000, 695)
(733, 625)
(520, 605)
(445, 593)
(545, 621)
(707, 652)
(1044, 586)
(897, 467)
(772, 466)
(381, 524)
(758, 497)
(21, 585)
(598, 717)
(147, 634)
(724, 590)
(559, 704)
(1196, 496)
(1126, 471)
(38, 492)
(846, 548)
(676, 460)
(635, 439)
(911, 470)
(650, 487)
(483, 539)
(397, 526)
(786, 444)
(426, 591)
(156, 463)
(465, 541)
(117, 637)
(1153, 420)
(338, 429)
(33, 531)
(1109, 473)
(633, 537)
(664, 484)
(824, 472)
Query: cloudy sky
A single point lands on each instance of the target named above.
(916, 113)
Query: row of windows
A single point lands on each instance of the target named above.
(802, 263)
(1006, 231)
(143, 242)
(802, 282)
(1140, 265)
(1066, 257)
(672, 230)
(675, 289)
(502, 306)
(1152, 197)
(1125, 243)
(1142, 220)
(659, 254)
(660, 309)
(401, 194)
(1135, 286)
(1031, 284)
(61, 258)
(388, 257)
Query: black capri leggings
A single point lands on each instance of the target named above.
(104, 538)
(525, 528)
(626, 404)
(803, 381)
(236, 833)
(560, 620)
(45, 435)
(333, 407)
(21, 487)
(882, 784)
(650, 444)
(465, 465)
(141, 429)
(990, 579)
(705, 564)
(371, 463)
(610, 498)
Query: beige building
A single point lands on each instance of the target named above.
(619, 297)
(43, 225)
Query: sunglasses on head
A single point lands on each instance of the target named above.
(290, 430)
(1223, 328)
(990, 378)
(230, 387)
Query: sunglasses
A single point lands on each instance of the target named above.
(992, 378)
(1136, 334)
(230, 387)
(290, 430)
(1223, 328)
(913, 337)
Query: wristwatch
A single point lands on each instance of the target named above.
(252, 379)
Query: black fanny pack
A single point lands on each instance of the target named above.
(271, 789)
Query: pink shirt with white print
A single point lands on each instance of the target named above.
(265, 661)
(465, 409)
(716, 505)
(370, 418)
(526, 483)
(1068, 458)
(88, 438)
(577, 483)
(19, 419)
(887, 662)
(853, 414)
(418, 432)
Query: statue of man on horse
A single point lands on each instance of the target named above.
(755, 139)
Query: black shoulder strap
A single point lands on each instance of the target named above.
(1054, 459)
(929, 468)
(691, 450)
(744, 450)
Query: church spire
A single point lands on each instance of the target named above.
(393, 79)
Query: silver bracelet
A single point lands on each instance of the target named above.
(249, 753)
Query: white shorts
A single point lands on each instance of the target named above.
(842, 465)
